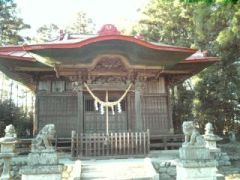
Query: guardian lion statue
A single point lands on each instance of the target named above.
(192, 136)
(10, 134)
(42, 142)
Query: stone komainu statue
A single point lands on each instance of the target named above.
(10, 134)
(10, 131)
(42, 142)
(192, 136)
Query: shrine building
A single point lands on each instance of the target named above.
(103, 83)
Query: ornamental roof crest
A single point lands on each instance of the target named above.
(108, 29)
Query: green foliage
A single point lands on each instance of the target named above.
(210, 1)
(218, 91)
(46, 33)
(10, 114)
(206, 25)
(49, 32)
(167, 22)
(10, 24)
(82, 24)
(182, 99)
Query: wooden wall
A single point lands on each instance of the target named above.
(155, 114)
(58, 104)
(60, 110)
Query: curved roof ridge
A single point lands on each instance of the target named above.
(76, 43)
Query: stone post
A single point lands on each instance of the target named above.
(43, 159)
(195, 162)
(8, 150)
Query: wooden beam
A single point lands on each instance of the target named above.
(107, 73)
(175, 72)
(29, 69)
(108, 86)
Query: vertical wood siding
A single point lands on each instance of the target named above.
(155, 115)
(155, 107)
(59, 110)
(154, 87)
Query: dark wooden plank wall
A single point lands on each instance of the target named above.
(60, 110)
(155, 115)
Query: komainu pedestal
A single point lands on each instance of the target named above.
(195, 162)
(43, 159)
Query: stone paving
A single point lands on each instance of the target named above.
(117, 169)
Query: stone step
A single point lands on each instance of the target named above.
(123, 169)
(220, 177)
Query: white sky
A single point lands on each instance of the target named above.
(118, 12)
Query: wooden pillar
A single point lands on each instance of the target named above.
(170, 109)
(36, 115)
(107, 117)
(80, 109)
(138, 107)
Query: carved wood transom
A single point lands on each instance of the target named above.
(109, 64)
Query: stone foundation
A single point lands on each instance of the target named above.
(42, 158)
(196, 163)
(42, 172)
(41, 177)
(194, 153)
(51, 172)
(192, 170)
(42, 165)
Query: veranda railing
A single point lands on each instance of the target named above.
(69, 145)
(112, 144)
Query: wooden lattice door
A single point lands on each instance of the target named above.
(95, 122)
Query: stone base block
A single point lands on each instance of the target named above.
(196, 173)
(208, 173)
(48, 172)
(41, 177)
(42, 158)
(194, 153)
(7, 147)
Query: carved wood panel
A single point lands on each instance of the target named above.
(109, 64)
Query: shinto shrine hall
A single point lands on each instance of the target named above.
(106, 83)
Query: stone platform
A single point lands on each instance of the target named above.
(119, 169)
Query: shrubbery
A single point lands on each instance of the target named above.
(10, 114)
